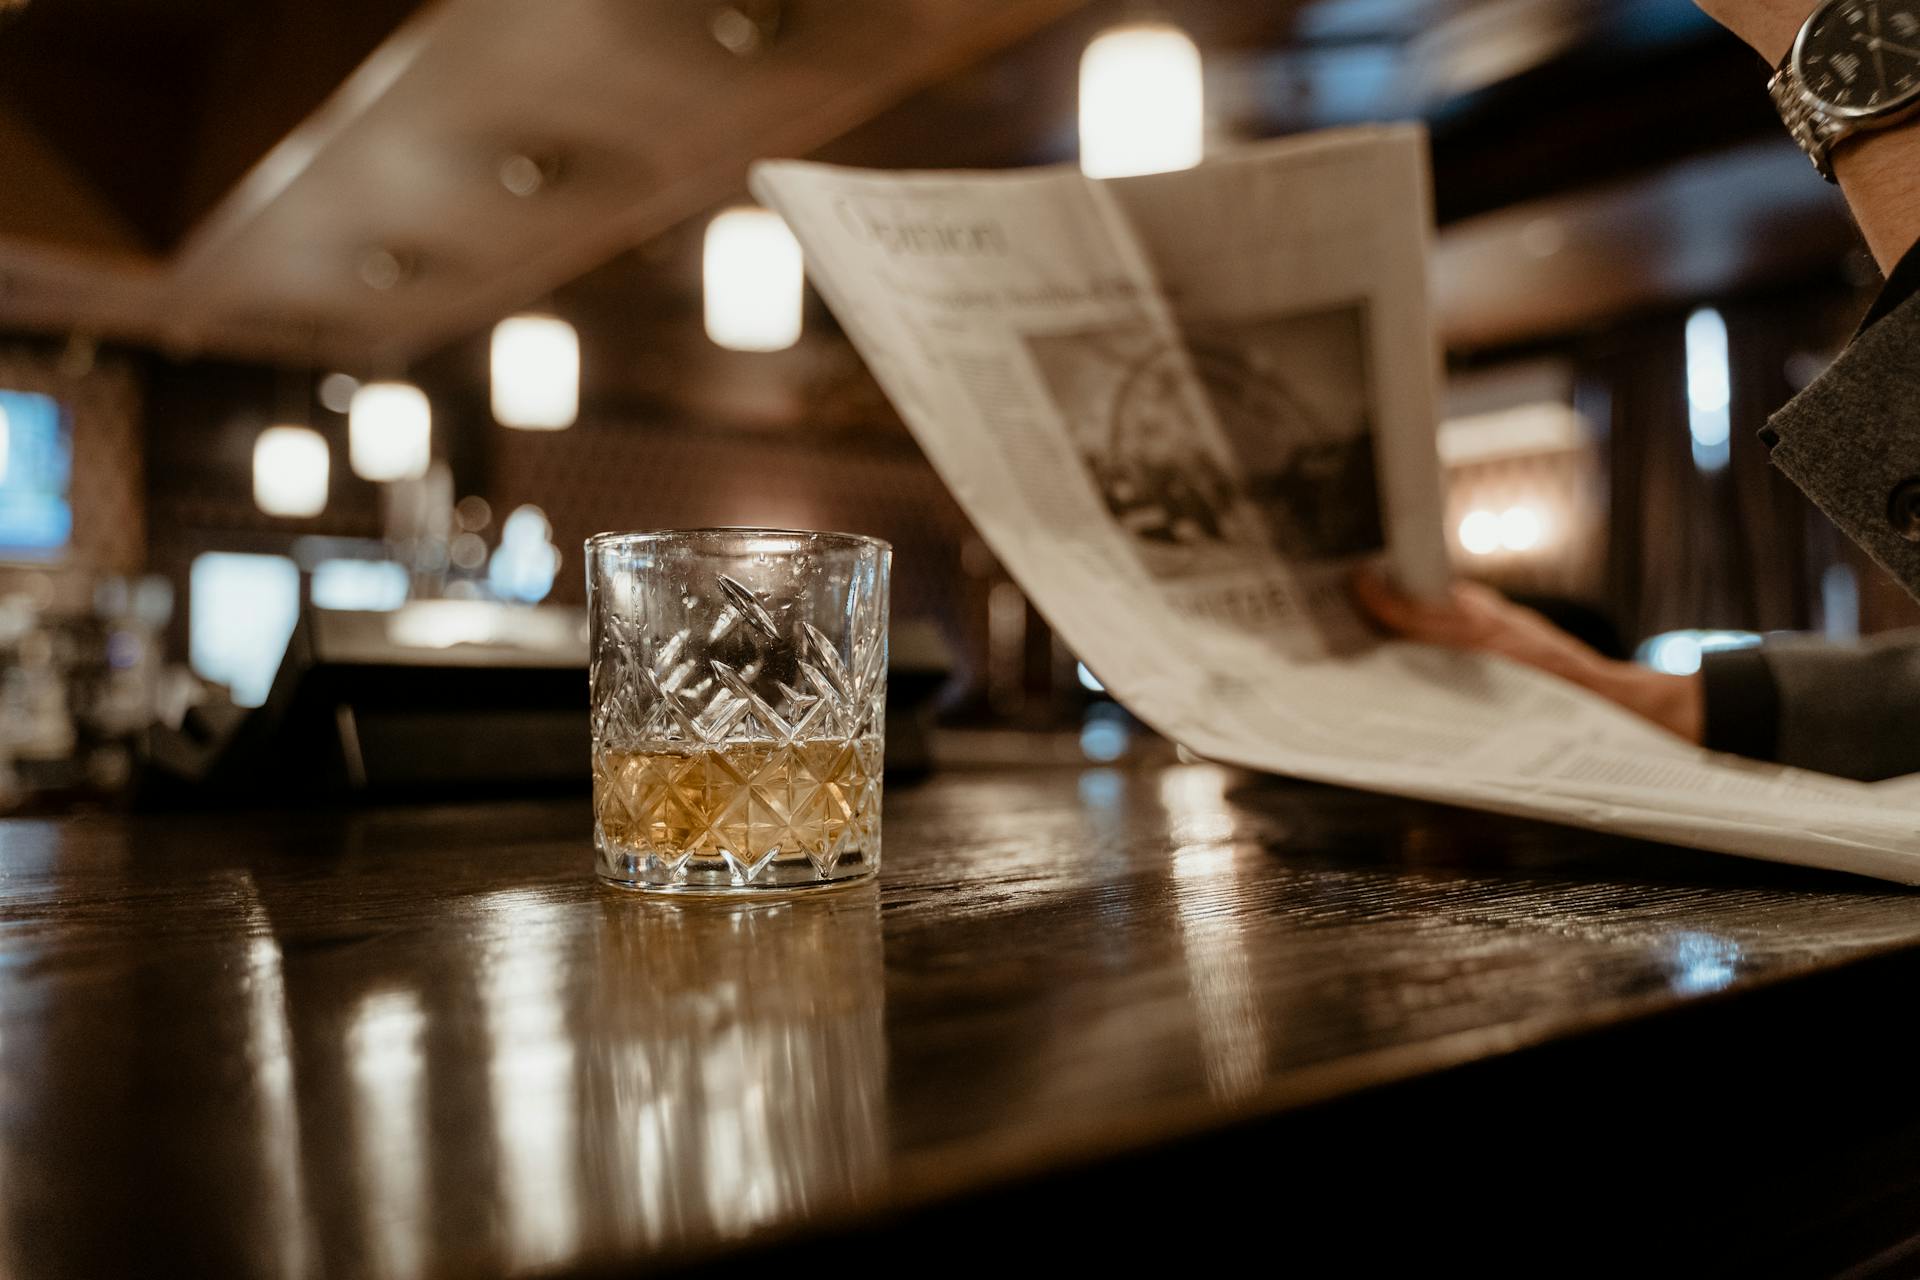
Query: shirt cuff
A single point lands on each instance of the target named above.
(1741, 704)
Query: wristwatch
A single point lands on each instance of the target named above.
(1854, 67)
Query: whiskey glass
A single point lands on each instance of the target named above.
(739, 684)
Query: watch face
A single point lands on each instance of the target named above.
(1862, 57)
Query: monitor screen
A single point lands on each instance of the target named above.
(36, 460)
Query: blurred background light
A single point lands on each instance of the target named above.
(389, 431)
(1709, 388)
(536, 373)
(1142, 101)
(1521, 528)
(1840, 603)
(240, 612)
(755, 281)
(525, 562)
(336, 392)
(291, 467)
(1088, 681)
(1103, 740)
(1480, 533)
(1679, 653)
(369, 586)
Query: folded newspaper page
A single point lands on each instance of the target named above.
(1181, 407)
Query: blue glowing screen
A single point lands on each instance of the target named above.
(36, 461)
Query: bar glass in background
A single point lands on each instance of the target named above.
(739, 708)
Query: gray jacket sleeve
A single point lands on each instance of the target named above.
(1850, 710)
(1851, 441)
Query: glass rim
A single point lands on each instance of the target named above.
(642, 536)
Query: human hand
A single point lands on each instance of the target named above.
(1878, 170)
(1479, 619)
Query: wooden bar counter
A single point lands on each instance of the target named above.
(1088, 1018)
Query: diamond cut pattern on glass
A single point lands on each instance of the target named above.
(769, 755)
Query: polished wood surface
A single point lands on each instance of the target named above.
(425, 1042)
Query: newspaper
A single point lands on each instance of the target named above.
(1182, 407)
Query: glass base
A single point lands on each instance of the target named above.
(718, 877)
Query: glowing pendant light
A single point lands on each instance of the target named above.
(536, 373)
(389, 431)
(291, 466)
(755, 282)
(1142, 106)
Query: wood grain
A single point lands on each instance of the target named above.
(425, 1042)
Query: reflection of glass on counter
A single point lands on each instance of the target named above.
(386, 1062)
(739, 1074)
(1205, 886)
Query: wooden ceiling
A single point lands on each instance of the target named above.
(374, 225)
(262, 180)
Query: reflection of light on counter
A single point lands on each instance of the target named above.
(1205, 888)
(441, 624)
(737, 1072)
(532, 1078)
(387, 1066)
(1102, 789)
(269, 1043)
(742, 1163)
(1703, 962)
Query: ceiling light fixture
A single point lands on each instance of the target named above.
(1142, 101)
(1522, 528)
(1480, 533)
(755, 281)
(389, 431)
(536, 373)
(291, 468)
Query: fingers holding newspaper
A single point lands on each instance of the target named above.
(1479, 619)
